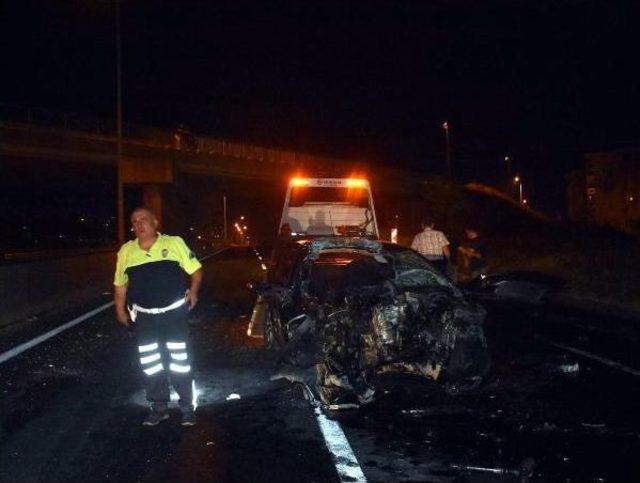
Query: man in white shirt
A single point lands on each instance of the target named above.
(433, 245)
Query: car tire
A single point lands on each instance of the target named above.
(468, 364)
(273, 337)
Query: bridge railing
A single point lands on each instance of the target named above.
(46, 118)
(258, 153)
(165, 138)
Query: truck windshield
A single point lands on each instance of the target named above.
(354, 196)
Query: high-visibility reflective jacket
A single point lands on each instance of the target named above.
(156, 277)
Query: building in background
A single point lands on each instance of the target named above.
(607, 190)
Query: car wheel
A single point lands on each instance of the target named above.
(468, 363)
(273, 337)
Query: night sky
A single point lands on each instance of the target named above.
(542, 81)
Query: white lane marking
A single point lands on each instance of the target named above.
(195, 392)
(342, 455)
(595, 357)
(5, 356)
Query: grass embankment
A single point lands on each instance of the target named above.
(599, 264)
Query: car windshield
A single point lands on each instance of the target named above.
(340, 269)
(345, 270)
(412, 270)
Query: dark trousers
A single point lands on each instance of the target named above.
(439, 264)
(164, 356)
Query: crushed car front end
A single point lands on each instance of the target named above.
(369, 309)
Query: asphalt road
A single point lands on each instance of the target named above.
(71, 407)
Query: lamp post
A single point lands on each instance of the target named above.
(517, 180)
(447, 138)
(120, 188)
(521, 197)
(224, 217)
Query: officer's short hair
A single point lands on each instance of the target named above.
(144, 208)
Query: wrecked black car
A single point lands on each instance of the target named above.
(351, 310)
(530, 288)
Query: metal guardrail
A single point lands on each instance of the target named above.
(181, 140)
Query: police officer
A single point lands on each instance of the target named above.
(152, 289)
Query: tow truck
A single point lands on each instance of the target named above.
(322, 207)
(329, 207)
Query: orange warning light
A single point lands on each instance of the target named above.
(297, 182)
(356, 183)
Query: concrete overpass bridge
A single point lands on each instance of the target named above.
(165, 164)
(152, 158)
(169, 168)
(181, 175)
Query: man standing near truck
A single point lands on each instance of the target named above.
(433, 245)
(152, 290)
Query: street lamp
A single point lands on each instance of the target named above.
(507, 162)
(517, 180)
(447, 137)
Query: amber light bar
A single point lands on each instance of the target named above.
(297, 182)
(356, 183)
(329, 182)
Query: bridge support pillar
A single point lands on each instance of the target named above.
(152, 198)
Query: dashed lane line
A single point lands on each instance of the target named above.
(595, 357)
(5, 356)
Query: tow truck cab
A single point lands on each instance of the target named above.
(329, 207)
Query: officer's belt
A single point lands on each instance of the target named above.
(135, 308)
